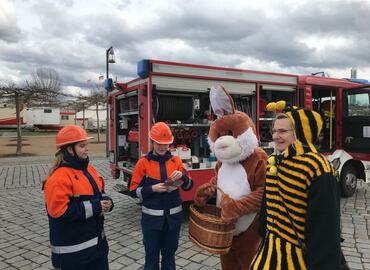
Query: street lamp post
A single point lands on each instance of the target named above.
(109, 54)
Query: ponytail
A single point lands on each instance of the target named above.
(59, 158)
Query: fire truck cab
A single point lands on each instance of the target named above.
(344, 105)
(178, 94)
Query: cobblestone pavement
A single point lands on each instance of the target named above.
(24, 240)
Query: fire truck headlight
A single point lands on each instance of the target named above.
(336, 163)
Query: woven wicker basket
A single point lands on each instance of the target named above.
(208, 231)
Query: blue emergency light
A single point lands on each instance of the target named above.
(108, 84)
(363, 81)
(143, 68)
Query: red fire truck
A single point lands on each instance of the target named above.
(177, 93)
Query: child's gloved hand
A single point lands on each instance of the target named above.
(160, 187)
(175, 179)
(175, 175)
(105, 205)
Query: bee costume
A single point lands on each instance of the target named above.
(300, 212)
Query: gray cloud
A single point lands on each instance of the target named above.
(72, 36)
(9, 30)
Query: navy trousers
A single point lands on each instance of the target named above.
(98, 264)
(164, 242)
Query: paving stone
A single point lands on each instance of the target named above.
(211, 261)
(124, 260)
(30, 254)
(19, 264)
(40, 259)
(14, 259)
(135, 255)
(9, 255)
(193, 266)
(48, 265)
(187, 253)
(355, 266)
(353, 259)
(4, 265)
(113, 255)
(198, 258)
(133, 266)
(206, 268)
(182, 262)
(116, 266)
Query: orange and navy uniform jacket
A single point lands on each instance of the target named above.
(73, 193)
(158, 207)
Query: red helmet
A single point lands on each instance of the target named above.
(161, 133)
(71, 134)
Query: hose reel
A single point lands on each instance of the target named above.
(167, 107)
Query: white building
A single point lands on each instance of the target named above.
(43, 116)
(89, 119)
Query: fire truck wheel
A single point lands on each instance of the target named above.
(348, 181)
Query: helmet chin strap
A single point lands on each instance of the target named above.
(74, 151)
(73, 145)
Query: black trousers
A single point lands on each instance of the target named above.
(98, 264)
(164, 242)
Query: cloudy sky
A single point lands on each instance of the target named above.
(71, 36)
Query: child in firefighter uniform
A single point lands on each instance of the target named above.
(300, 212)
(76, 203)
(155, 181)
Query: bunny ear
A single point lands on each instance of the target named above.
(221, 101)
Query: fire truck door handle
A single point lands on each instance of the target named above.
(348, 140)
(140, 106)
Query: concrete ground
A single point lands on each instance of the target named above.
(24, 240)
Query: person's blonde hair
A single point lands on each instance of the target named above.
(58, 160)
(283, 116)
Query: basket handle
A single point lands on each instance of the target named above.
(219, 189)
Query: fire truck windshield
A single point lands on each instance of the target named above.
(358, 103)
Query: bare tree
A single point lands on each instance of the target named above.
(97, 97)
(44, 88)
(80, 105)
(10, 91)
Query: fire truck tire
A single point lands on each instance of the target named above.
(348, 181)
